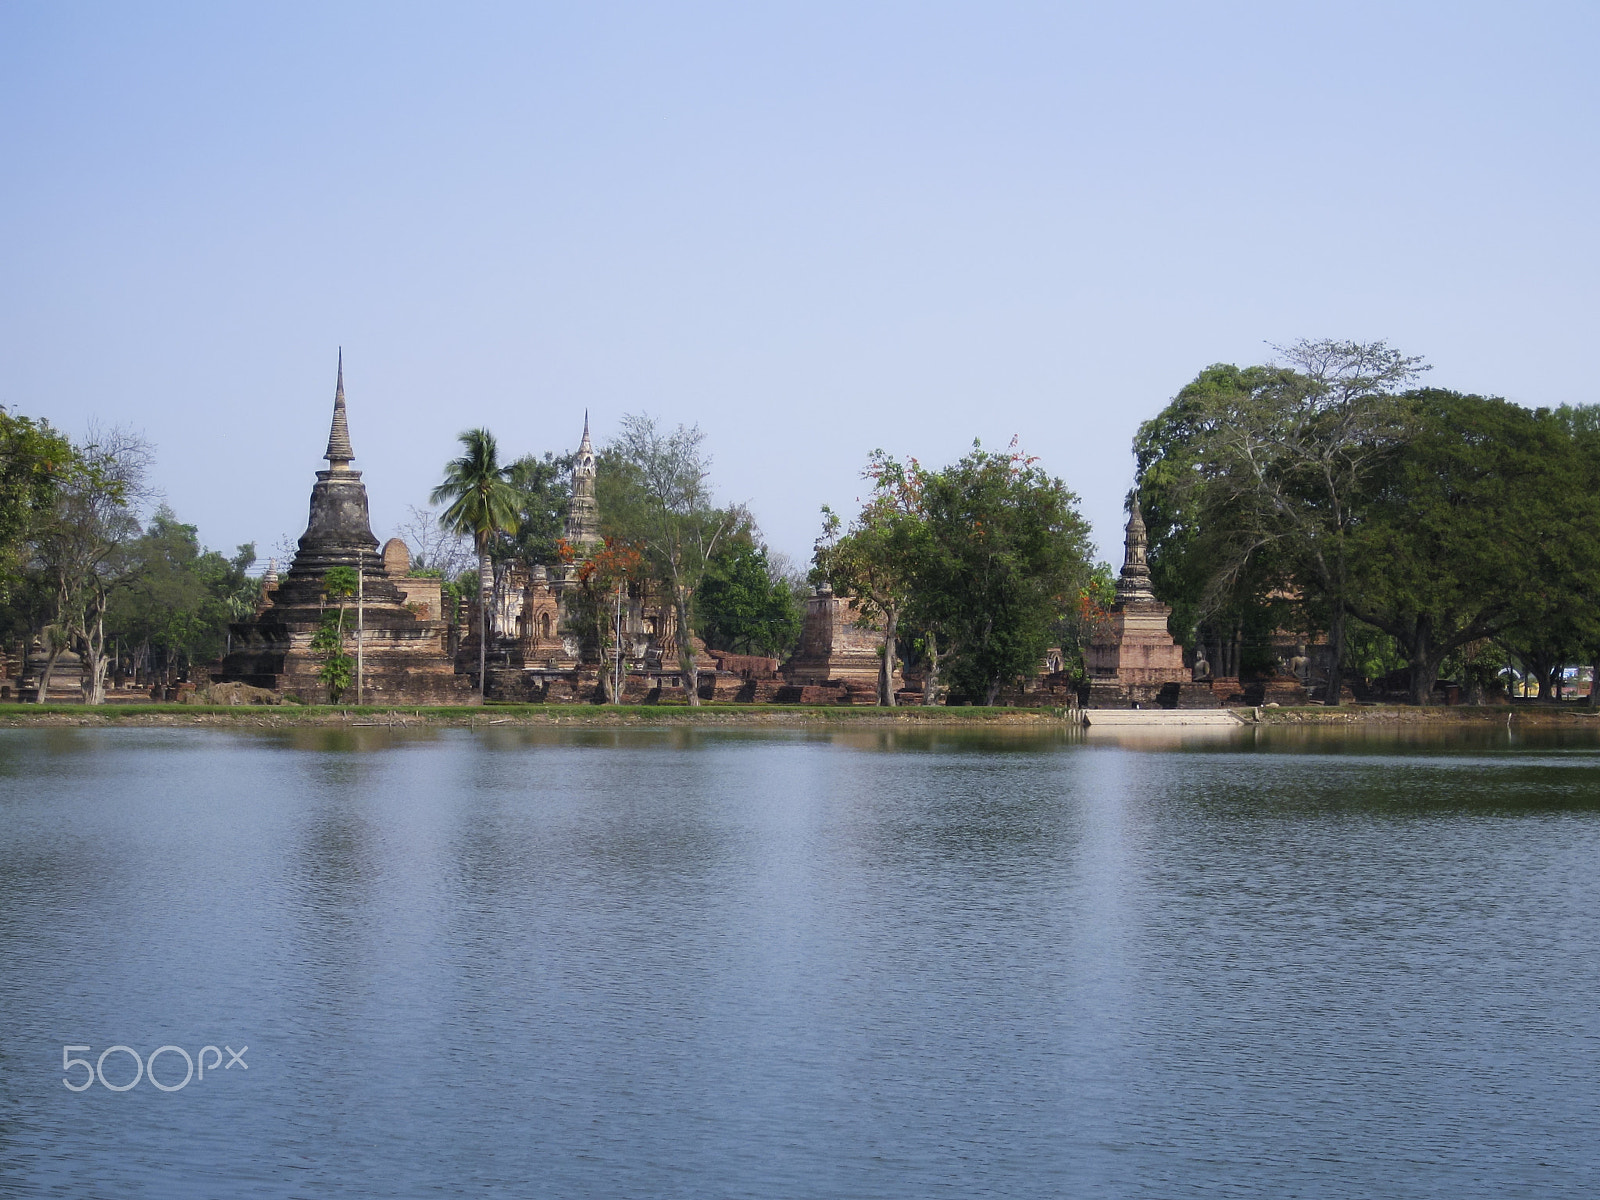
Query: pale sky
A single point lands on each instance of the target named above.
(815, 229)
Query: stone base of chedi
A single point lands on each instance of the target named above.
(1132, 659)
(404, 653)
(837, 649)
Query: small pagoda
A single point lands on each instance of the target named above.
(1133, 661)
(404, 654)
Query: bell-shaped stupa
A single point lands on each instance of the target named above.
(403, 655)
(338, 531)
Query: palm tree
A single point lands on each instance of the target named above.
(482, 504)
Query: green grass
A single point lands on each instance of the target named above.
(495, 709)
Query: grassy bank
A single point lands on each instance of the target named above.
(169, 715)
(1405, 714)
(756, 716)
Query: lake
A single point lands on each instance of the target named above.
(876, 963)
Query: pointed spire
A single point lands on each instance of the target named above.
(339, 451)
(583, 460)
(1136, 532)
(583, 514)
(1134, 583)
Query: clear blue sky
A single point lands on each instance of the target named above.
(812, 228)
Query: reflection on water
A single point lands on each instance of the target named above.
(877, 962)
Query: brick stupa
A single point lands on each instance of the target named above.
(1132, 659)
(836, 645)
(404, 654)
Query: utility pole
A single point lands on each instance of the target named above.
(361, 623)
(616, 665)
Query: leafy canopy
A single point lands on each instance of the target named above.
(1008, 557)
(480, 503)
(745, 606)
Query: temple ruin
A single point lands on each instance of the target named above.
(1132, 660)
(403, 648)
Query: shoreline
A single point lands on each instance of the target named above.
(728, 715)
(517, 715)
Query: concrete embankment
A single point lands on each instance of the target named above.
(1130, 718)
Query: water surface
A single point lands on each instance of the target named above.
(661, 963)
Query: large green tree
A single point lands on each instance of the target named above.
(1007, 558)
(1208, 558)
(34, 461)
(744, 605)
(1475, 532)
(1267, 469)
(174, 604)
(480, 504)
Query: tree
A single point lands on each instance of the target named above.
(596, 608)
(435, 548)
(327, 643)
(1085, 618)
(656, 498)
(1205, 561)
(746, 605)
(1582, 425)
(877, 562)
(1007, 555)
(175, 601)
(34, 461)
(543, 488)
(481, 505)
(1478, 531)
(81, 547)
(1267, 468)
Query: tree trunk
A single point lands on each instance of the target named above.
(930, 682)
(1335, 685)
(686, 664)
(44, 676)
(992, 693)
(485, 586)
(1424, 674)
(891, 622)
(98, 693)
(92, 668)
(91, 649)
(333, 696)
(607, 659)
